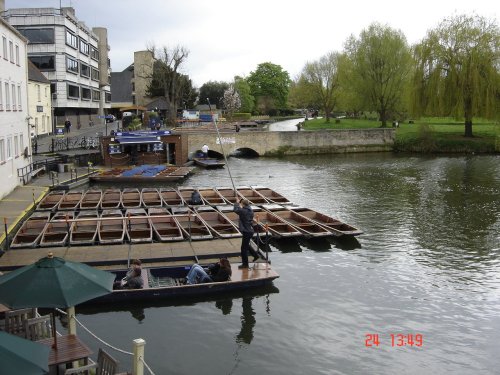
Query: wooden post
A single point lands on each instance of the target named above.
(71, 320)
(138, 365)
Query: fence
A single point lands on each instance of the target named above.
(71, 143)
(26, 173)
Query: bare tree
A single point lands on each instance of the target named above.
(231, 100)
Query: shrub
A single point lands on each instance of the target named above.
(242, 116)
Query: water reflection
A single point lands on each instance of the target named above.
(247, 321)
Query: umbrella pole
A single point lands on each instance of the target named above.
(54, 332)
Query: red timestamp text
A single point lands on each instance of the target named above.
(394, 339)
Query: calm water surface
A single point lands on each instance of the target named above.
(428, 263)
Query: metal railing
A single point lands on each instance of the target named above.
(26, 173)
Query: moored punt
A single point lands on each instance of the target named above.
(31, 231)
(84, 228)
(251, 195)
(56, 232)
(271, 195)
(227, 193)
(228, 212)
(209, 163)
(192, 226)
(50, 201)
(185, 193)
(305, 225)
(91, 200)
(336, 226)
(171, 197)
(211, 197)
(151, 198)
(111, 227)
(277, 226)
(168, 282)
(165, 228)
(217, 222)
(138, 225)
(131, 198)
(70, 201)
(111, 198)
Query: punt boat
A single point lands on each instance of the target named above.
(217, 222)
(211, 197)
(227, 193)
(111, 228)
(209, 163)
(111, 199)
(84, 228)
(131, 198)
(151, 198)
(227, 211)
(336, 226)
(171, 197)
(271, 195)
(165, 228)
(70, 201)
(31, 231)
(168, 282)
(277, 226)
(50, 201)
(251, 195)
(185, 193)
(138, 226)
(91, 200)
(56, 232)
(192, 226)
(305, 225)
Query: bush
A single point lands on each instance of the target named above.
(242, 116)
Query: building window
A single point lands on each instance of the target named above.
(16, 146)
(38, 93)
(84, 70)
(96, 95)
(38, 35)
(1, 96)
(84, 47)
(85, 94)
(21, 142)
(43, 63)
(107, 97)
(4, 48)
(95, 74)
(17, 54)
(94, 53)
(9, 148)
(11, 50)
(19, 102)
(2, 151)
(71, 40)
(73, 92)
(71, 65)
(14, 97)
(7, 97)
(43, 124)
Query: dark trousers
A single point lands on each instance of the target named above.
(245, 248)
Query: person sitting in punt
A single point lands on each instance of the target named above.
(196, 197)
(133, 278)
(216, 272)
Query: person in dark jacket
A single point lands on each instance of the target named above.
(196, 197)
(217, 272)
(245, 226)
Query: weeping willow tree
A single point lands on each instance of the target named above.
(457, 70)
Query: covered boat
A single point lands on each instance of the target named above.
(111, 199)
(31, 231)
(50, 201)
(111, 227)
(138, 225)
(56, 232)
(84, 228)
(91, 200)
(217, 222)
(165, 228)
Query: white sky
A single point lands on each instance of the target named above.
(231, 37)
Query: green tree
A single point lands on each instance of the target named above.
(457, 70)
(214, 91)
(269, 84)
(381, 62)
(323, 79)
(301, 94)
(246, 97)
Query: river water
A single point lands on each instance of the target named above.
(428, 263)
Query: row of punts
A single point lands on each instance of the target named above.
(177, 223)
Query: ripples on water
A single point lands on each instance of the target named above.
(428, 263)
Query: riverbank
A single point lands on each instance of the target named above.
(427, 135)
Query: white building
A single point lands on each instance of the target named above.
(14, 129)
(72, 56)
(39, 102)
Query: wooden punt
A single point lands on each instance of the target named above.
(84, 228)
(209, 163)
(211, 197)
(192, 226)
(218, 223)
(168, 282)
(91, 200)
(30, 232)
(336, 226)
(251, 195)
(111, 199)
(131, 198)
(277, 226)
(138, 225)
(227, 193)
(228, 211)
(185, 193)
(165, 228)
(151, 198)
(305, 225)
(271, 195)
(171, 197)
(50, 201)
(111, 228)
(56, 232)
(70, 201)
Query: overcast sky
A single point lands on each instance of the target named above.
(231, 37)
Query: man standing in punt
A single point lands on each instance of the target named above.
(245, 226)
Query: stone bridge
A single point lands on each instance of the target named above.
(266, 143)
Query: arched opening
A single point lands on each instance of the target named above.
(245, 153)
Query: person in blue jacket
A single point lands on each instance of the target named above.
(245, 226)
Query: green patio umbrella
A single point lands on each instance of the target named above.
(21, 356)
(53, 282)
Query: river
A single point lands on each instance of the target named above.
(428, 263)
